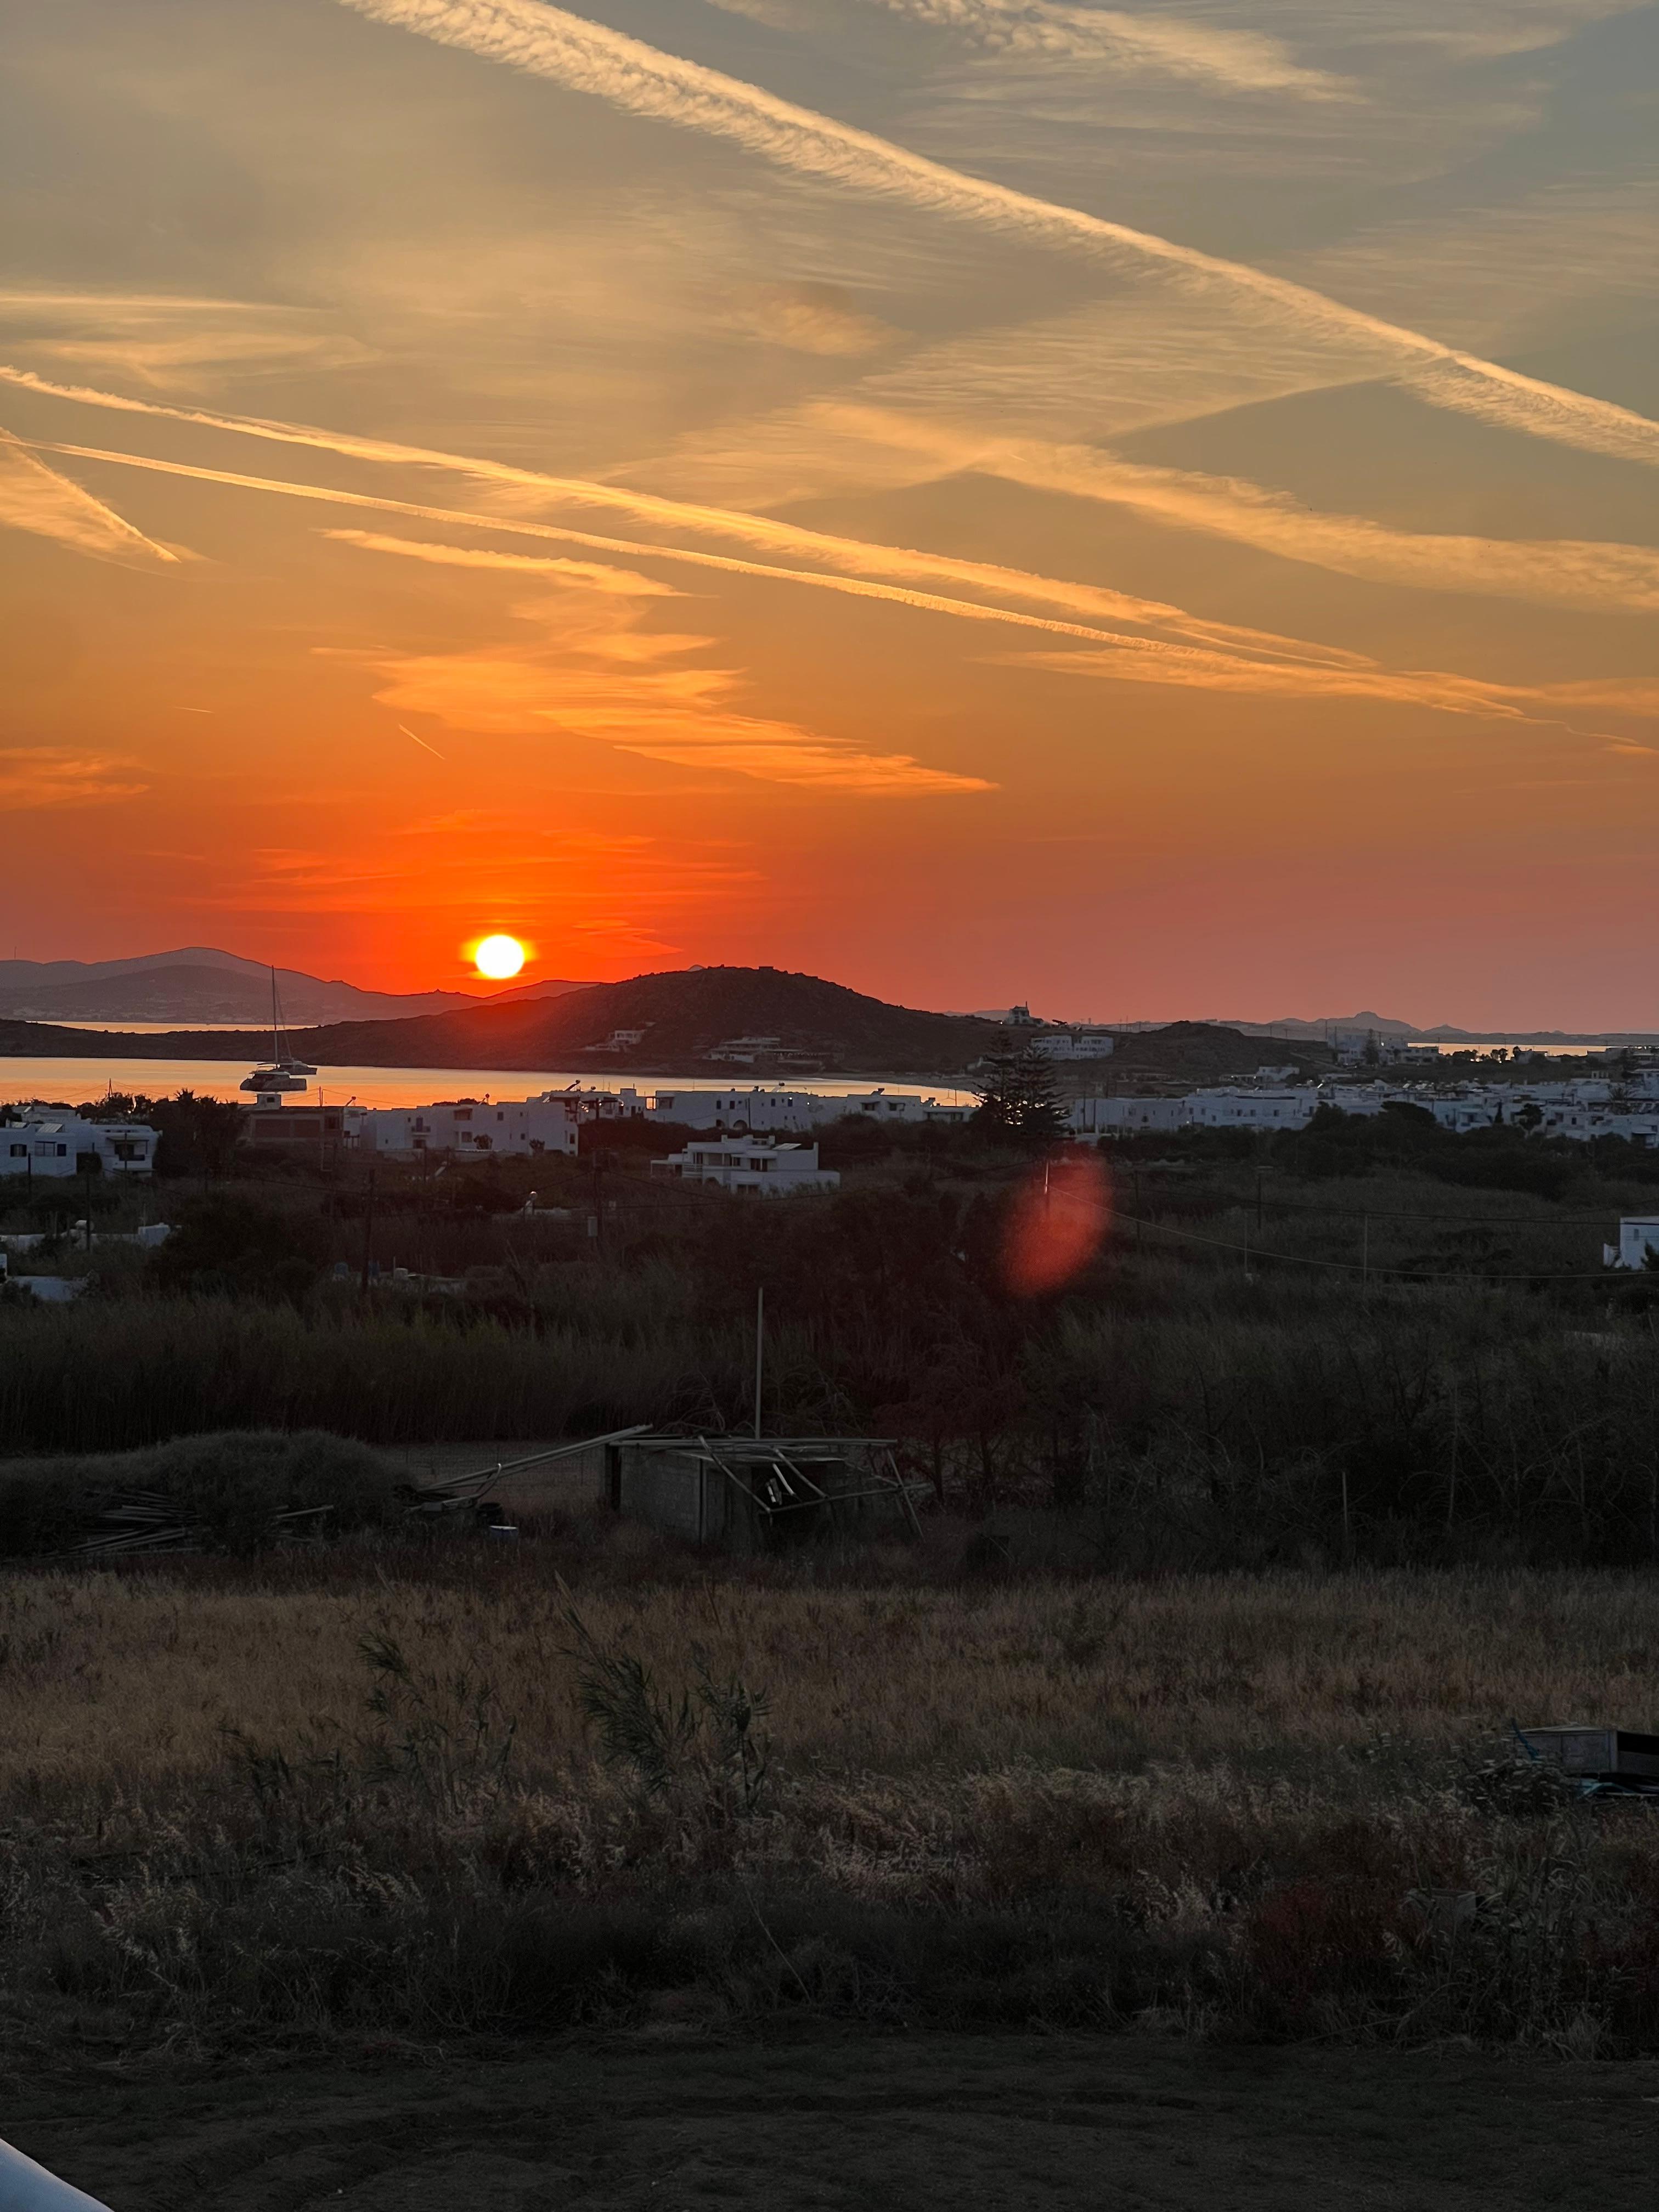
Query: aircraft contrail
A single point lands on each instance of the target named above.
(547, 41)
(758, 531)
(1139, 658)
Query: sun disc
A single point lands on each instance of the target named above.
(498, 958)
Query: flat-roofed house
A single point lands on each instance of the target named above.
(749, 1167)
(64, 1145)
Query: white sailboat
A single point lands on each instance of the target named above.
(285, 1075)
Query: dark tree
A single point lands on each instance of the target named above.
(1019, 1098)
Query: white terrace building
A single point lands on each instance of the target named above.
(751, 1167)
(1102, 1117)
(1088, 1041)
(64, 1145)
(469, 1128)
(771, 1107)
(1230, 1109)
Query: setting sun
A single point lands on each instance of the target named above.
(498, 958)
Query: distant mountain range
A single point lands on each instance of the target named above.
(1440, 1033)
(744, 1022)
(1324, 1030)
(740, 1024)
(198, 983)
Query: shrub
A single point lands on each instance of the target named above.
(232, 1485)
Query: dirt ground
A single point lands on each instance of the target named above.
(906, 2124)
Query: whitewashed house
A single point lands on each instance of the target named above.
(1638, 1235)
(1088, 1041)
(1230, 1109)
(46, 1145)
(771, 1107)
(469, 1127)
(1111, 1117)
(750, 1167)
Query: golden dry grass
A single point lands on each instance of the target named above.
(119, 1685)
(1211, 1802)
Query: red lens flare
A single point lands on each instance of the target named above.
(1055, 1224)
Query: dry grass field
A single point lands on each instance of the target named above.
(374, 1798)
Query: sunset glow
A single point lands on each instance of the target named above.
(498, 958)
(1151, 514)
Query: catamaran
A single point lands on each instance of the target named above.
(285, 1074)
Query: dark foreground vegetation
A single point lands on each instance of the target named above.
(379, 1797)
(1368, 1342)
(1058, 1763)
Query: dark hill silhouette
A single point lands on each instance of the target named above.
(687, 1015)
(1210, 1052)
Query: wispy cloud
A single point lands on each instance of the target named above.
(170, 341)
(810, 319)
(33, 777)
(1547, 572)
(1588, 574)
(846, 447)
(36, 498)
(865, 562)
(1202, 54)
(1540, 706)
(549, 42)
(1283, 668)
(592, 671)
(621, 583)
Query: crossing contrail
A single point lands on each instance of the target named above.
(549, 42)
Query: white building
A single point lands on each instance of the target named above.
(752, 1167)
(1230, 1109)
(1105, 1117)
(1464, 1110)
(1087, 1041)
(619, 1041)
(797, 1113)
(64, 1145)
(756, 1108)
(746, 1050)
(508, 1127)
(1638, 1237)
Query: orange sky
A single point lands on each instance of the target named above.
(1149, 512)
